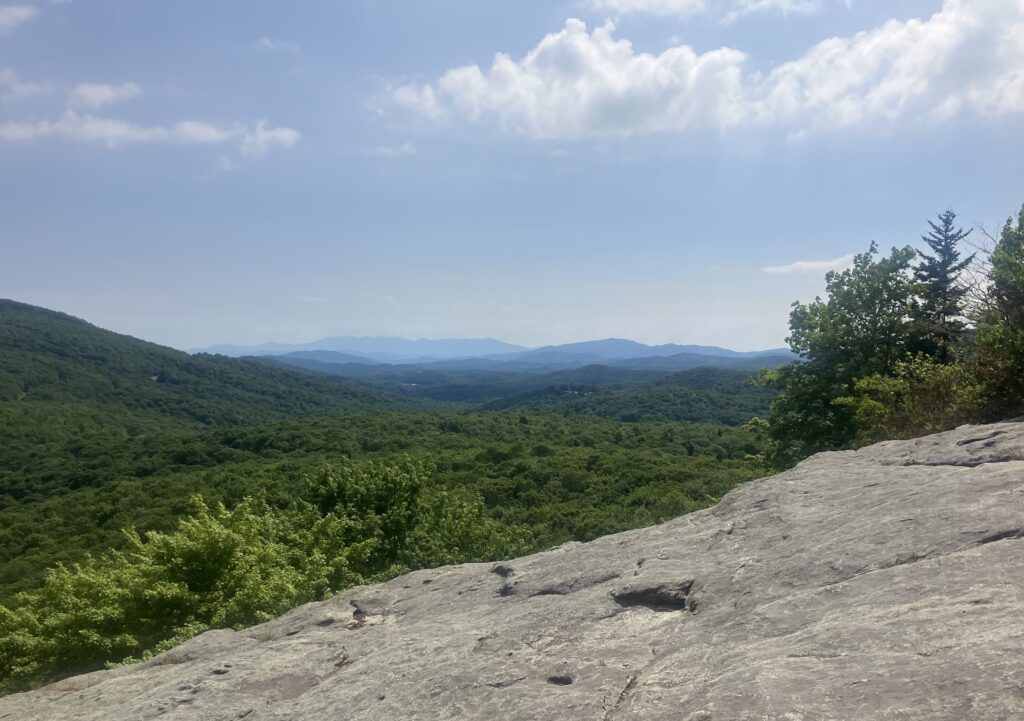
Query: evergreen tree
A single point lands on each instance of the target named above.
(942, 296)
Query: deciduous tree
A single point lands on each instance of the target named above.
(863, 328)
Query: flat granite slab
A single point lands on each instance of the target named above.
(885, 583)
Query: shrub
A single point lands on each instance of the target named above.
(922, 396)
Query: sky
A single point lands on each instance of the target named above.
(537, 171)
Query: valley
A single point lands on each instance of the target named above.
(103, 436)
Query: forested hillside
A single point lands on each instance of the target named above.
(146, 495)
(50, 356)
(628, 394)
(702, 394)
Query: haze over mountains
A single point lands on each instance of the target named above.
(385, 349)
(492, 354)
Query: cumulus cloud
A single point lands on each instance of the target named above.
(13, 87)
(576, 83)
(74, 126)
(965, 59)
(11, 16)
(96, 95)
(811, 266)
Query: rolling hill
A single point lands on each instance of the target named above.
(51, 356)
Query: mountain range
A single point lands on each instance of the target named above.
(492, 354)
(384, 349)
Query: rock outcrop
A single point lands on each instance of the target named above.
(886, 583)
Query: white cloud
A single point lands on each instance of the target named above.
(89, 128)
(812, 266)
(276, 44)
(577, 84)
(729, 11)
(965, 59)
(13, 88)
(253, 140)
(11, 16)
(651, 7)
(96, 95)
(259, 139)
(393, 151)
(786, 7)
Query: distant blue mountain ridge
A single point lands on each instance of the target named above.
(492, 354)
(385, 349)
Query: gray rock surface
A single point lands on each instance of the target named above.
(886, 583)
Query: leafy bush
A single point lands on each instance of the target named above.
(1000, 354)
(218, 569)
(232, 568)
(922, 396)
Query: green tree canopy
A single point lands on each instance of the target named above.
(221, 568)
(861, 329)
(1001, 330)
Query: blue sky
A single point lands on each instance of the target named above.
(538, 171)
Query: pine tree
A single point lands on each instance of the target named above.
(940, 313)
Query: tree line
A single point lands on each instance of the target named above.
(904, 345)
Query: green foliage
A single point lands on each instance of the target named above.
(1000, 353)
(586, 469)
(862, 329)
(375, 501)
(922, 396)
(453, 527)
(223, 568)
(233, 568)
(50, 356)
(466, 388)
(1007, 274)
(889, 356)
(701, 394)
